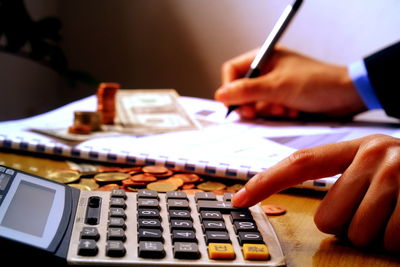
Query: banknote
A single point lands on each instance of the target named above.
(139, 112)
(151, 111)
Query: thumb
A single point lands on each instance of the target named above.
(306, 164)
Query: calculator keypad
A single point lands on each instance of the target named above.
(200, 229)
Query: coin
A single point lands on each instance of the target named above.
(111, 176)
(108, 187)
(187, 177)
(163, 175)
(154, 169)
(79, 129)
(80, 187)
(188, 186)
(88, 118)
(90, 182)
(191, 191)
(130, 183)
(220, 192)
(108, 169)
(64, 176)
(162, 186)
(211, 186)
(270, 209)
(176, 181)
(143, 177)
(234, 188)
(106, 106)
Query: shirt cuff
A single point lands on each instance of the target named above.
(359, 75)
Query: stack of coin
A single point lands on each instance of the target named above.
(150, 177)
(91, 118)
(106, 93)
(85, 122)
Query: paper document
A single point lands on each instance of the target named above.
(226, 148)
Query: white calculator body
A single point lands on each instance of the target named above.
(143, 228)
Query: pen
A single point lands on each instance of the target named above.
(268, 47)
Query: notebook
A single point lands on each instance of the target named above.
(224, 148)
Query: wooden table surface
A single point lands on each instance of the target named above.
(303, 244)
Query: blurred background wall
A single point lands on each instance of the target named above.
(181, 44)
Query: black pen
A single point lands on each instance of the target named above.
(267, 48)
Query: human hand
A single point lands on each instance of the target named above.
(363, 204)
(290, 83)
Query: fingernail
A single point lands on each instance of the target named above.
(240, 198)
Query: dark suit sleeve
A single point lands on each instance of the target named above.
(383, 70)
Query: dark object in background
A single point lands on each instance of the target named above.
(36, 40)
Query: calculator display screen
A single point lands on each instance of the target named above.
(32, 210)
(29, 208)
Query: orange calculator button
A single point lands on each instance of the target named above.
(255, 252)
(221, 251)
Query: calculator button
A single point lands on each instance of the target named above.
(117, 202)
(117, 222)
(116, 234)
(178, 204)
(87, 247)
(149, 223)
(241, 216)
(250, 237)
(183, 236)
(117, 212)
(222, 206)
(186, 250)
(176, 195)
(148, 249)
(255, 252)
(204, 196)
(227, 196)
(181, 225)
(115, 249)
(213, 225)
(249, 226)
(118, 193)
(150, 235)
(217, 237)
(210, 215)
(147, 194)
(144, 203)
(90, 233)
(179, 214)
(221, 251)
(149, 213)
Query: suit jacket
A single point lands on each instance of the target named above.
(383, 70)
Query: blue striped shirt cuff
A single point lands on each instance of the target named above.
(359, 75)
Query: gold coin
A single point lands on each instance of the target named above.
(162, 186)
(111, 177)
(153, 169)
(211, 186)
(234, 188)
(64, 176)
(80, 187)
(91, 183)
(187, 177)
(176, 181)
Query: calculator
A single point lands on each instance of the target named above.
(143, 228)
